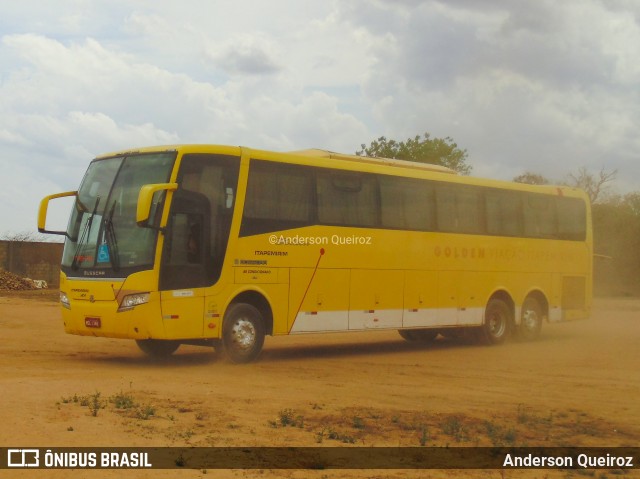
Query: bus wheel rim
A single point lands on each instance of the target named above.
(497, 325)
(243, 333)
(530, 319)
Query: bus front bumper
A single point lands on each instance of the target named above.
(104, 319)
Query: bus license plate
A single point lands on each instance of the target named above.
(92, 322)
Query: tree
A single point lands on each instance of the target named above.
(632, 202)
(25, 236)
(435, 151)
(616, 229)
(592, 184)
(531, 179)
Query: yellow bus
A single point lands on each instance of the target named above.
(220, 246)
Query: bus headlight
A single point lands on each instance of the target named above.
(132, 300)
(64, 300)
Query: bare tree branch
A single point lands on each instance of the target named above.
(592, 184)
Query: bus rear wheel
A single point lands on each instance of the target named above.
(418, 335)
(530, 320)
(497, 322)
(158, 348)
(243, 333)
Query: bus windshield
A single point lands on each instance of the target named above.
(102, 234)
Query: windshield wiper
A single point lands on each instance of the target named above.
(110, 238)
(85, 235)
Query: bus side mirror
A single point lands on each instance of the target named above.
(42, 212)
(146, 203)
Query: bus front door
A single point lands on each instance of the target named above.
(183, 273)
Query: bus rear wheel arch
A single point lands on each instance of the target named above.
(243, 332)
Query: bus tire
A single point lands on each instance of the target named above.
(497, 322)
(530, 320)
(418, 335)
(157, 348)
(243, 333)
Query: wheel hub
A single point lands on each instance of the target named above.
(530, 319)
(244, 333)
(496, 325)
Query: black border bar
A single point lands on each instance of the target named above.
(319, 458)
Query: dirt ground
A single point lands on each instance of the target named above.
(578, 385)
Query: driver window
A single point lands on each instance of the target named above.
(186, 239)
(199, 221)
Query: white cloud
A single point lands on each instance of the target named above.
(64, 102)
(247, 55)
(542, 86)
(539, 86)
(316, 118)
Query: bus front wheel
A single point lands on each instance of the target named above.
(243, 333)
(158, 348)
(497, 322)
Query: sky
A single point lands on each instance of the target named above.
(539, 85)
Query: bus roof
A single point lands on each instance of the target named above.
(309, 153)
(364, 160)
(552, 189)
(317, 153)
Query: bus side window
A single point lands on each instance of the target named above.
(539, 216)
(278, 197)
(276, 194)
(572, 213)
(446, 208)
(503, 213)
(347, 199)
(459, 209)
(406, 203)
(469, 211)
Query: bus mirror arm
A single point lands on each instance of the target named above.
(42, 213)
(145, 203)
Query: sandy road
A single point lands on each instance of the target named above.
(579, 384)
